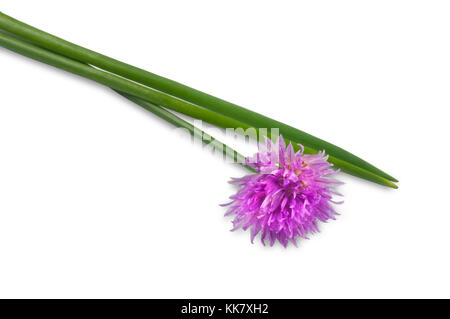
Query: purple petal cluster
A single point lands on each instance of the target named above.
(288, 196)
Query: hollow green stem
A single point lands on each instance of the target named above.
(155, 97)
(181, 91)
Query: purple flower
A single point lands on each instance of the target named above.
(287, 197)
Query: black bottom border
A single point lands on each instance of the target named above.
(223, 308)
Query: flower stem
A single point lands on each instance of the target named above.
(179, 90)
(155, 97)
(194, 131)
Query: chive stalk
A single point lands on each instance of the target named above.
(144, 93)
(180, 91)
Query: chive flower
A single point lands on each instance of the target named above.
(287, 197)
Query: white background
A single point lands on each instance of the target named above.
(99, 198)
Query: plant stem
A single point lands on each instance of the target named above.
(179, 90)
(155, 97)
(194, 131)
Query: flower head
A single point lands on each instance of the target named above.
(287, 197)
